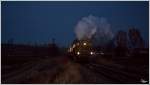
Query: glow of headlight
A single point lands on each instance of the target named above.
(78, 53)
(91, 53)
(84, 43)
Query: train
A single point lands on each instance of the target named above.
(82, 50)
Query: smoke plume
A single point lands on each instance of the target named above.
(86, 27)
(94, 27)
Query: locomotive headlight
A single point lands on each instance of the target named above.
(84, 43)
(78, 53)
(91, 53)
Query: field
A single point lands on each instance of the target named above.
(60, 68)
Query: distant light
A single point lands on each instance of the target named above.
(91, 53)
(84, 43)
(78, 53)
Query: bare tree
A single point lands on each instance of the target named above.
(121, 39)
(121, 43)
(136, 38)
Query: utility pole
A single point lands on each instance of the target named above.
(53, 40)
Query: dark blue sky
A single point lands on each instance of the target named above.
(30, 22)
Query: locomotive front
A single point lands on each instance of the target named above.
(81, 50)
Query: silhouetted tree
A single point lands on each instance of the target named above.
(121, 39)
(110, 46)
(121, 43)
(136, 38)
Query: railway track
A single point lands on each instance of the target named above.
(114, 74)
(27, 71)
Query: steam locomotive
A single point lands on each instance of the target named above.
(81, 50)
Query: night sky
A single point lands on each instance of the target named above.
(39, 22)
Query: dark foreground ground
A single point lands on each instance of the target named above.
(61, 69)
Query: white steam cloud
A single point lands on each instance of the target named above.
(86, 27)
(94, 27)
